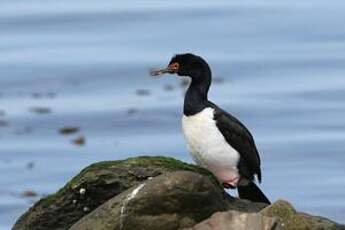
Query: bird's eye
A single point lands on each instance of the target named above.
(175, 66)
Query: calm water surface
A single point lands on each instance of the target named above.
(279, 67)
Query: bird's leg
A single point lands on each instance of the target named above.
(227, 186)
(231, 182)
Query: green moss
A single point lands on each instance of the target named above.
(285, 212)
(164, 162)
(280, 208)
(168, 163)
(292, 220)
(103, 180)
(89, 169)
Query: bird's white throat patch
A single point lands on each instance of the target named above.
(208, 145)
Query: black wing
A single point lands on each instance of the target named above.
(238, 136)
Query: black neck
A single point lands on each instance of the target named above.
(196, 96)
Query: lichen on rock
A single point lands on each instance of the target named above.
(168, 201)
(101, 181)
(290, 219)
(155, 193)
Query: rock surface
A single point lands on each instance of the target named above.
(290, 219)
(170, 201)
(239, 221)
(92, 187)
(156, 193)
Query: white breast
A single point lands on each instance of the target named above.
(208, 146)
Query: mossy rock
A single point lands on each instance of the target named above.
(95, 185)
(290, 219)
(170, 201)
(106, 184)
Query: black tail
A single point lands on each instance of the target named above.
(253, 193)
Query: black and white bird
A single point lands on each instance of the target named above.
(216, 139)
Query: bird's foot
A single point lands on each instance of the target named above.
(227, 186)
(232, 183)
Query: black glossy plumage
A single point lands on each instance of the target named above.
(252, 192)
(238, 136)
(234, 132)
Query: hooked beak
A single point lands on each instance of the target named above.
(172, 68)
(158, 72)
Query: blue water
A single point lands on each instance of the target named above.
(279, 65)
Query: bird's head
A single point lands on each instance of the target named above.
(184, 65)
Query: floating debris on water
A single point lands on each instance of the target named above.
(79, 141)
(185, 82)
(69, 130)
(132, 111)
(40, 110)
(29, 193)
(30, 165)
(3, 123)
(38, 95)
(168, 87)
(142, 92)
(51, 95)
(218, 80)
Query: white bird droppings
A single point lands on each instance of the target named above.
(82, 191)
(128, 198)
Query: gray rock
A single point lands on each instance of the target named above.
(170, 201)
(92, 187)
(290, 219)
(237, 220)
(122, 195)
